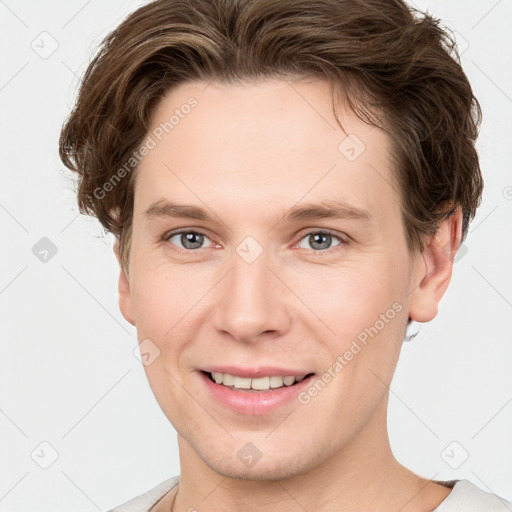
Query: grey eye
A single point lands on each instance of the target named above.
(319, 240)
(188, 239)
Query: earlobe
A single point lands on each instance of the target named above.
(434, 269)
(125, 297)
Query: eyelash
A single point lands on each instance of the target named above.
(343, 242)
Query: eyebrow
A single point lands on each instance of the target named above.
(304, 211)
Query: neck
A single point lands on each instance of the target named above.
(359, 477)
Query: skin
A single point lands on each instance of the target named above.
(247, 153)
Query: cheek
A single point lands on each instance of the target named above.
(169, 308)
(162, 295)
(364, 313)
(366, 350)
(350, 299)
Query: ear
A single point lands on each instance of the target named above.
(125, 296)
(434, 269)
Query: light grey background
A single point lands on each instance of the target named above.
(69, 378)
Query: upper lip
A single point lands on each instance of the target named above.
(256, 372)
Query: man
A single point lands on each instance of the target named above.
(288, 185)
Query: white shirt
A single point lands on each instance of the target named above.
(465, 497)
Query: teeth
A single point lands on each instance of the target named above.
(260, 384)
(276, 381)
(241, 383)
(288, 381)
(227, 380)
(263, 383)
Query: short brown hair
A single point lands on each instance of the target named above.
(397, 67)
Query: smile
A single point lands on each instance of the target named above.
(258, 384)
(259, 395)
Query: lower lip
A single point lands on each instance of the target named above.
(254, 402)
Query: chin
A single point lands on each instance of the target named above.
(269, 468)
(265, 472)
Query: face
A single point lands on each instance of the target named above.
(264, 283)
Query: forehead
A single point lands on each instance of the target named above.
(260, 143)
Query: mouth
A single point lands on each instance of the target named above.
(255, 391)
(266, 383)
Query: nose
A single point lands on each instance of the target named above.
(252, 301)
